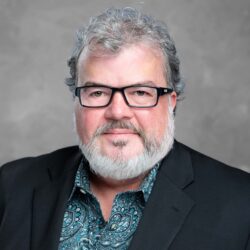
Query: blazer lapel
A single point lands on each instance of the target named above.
(168, 205)
(49, 203)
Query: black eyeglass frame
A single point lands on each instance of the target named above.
(159, 90)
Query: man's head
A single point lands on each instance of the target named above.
(124, 131)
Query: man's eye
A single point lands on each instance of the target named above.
(97, 93)
(140, 93)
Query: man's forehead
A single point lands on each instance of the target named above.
(134, 64)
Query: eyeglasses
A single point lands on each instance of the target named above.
(99, 96)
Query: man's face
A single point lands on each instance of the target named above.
(134, 65)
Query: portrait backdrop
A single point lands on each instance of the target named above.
(212, 39)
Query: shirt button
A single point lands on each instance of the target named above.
(82, 191)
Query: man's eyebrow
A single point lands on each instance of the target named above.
(144, 83)
(94, 84)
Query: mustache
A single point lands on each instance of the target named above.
(119, 125)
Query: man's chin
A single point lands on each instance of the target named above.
(121, 155)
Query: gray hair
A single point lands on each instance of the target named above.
(115, 29)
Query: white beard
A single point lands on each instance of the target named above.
(118, 168)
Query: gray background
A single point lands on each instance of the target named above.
(212, 38)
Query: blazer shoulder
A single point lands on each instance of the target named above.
(33, 168)
(222, 176)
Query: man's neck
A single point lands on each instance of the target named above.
(105, 190)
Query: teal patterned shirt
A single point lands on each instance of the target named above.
(84, 226)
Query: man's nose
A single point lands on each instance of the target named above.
(118, 108)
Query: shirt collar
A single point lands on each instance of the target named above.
(149, 181)
(83, 184)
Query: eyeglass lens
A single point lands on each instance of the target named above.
(98, 96)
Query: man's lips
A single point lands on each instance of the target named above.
(120, 131)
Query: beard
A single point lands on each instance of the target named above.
(120, 168)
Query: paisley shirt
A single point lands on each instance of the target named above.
(84, 226)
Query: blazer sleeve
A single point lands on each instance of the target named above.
(248, 244)
(2, 194)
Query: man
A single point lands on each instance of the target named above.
(130, 186)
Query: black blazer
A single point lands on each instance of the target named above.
(196, 203)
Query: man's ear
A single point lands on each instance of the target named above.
(173, 100)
